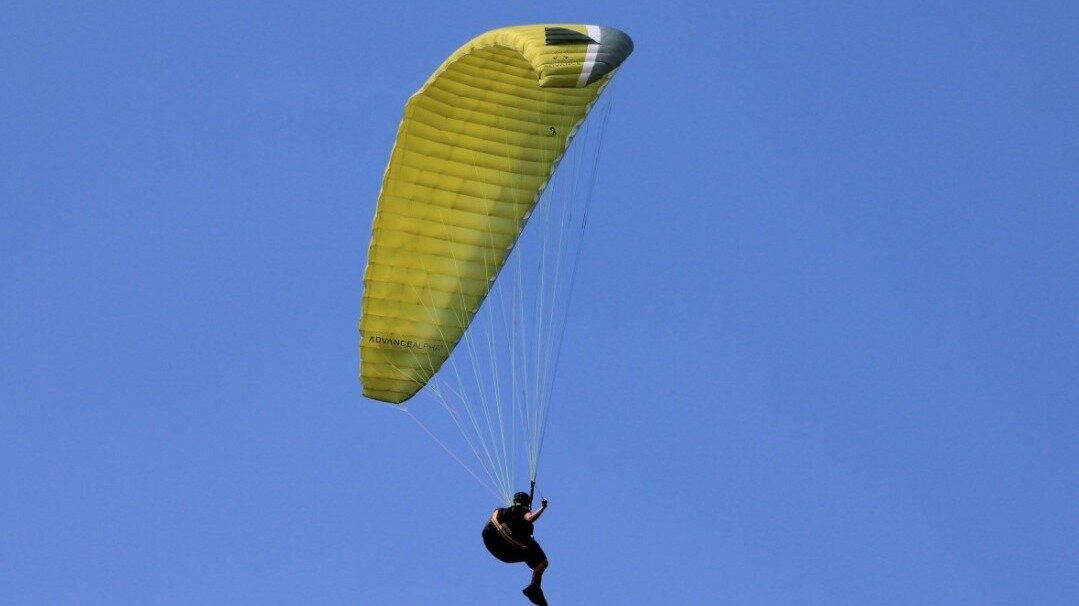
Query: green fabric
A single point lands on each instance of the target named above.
(477, 144)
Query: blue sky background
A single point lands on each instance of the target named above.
(824, 348)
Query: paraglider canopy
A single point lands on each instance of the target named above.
(474, 151)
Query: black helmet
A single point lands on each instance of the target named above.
(523, 498)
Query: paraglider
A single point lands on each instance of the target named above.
(508, 536)
(474, 155)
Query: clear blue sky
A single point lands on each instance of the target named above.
(824, 351)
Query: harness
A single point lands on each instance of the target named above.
(504, 530)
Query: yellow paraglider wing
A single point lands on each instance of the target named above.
(477, 144)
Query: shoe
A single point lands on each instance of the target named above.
(535, 595)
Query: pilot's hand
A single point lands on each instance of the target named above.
(543, 502)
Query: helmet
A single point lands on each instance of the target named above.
(523, 498)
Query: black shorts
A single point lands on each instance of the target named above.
(532, 554)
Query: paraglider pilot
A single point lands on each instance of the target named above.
(508, 536)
